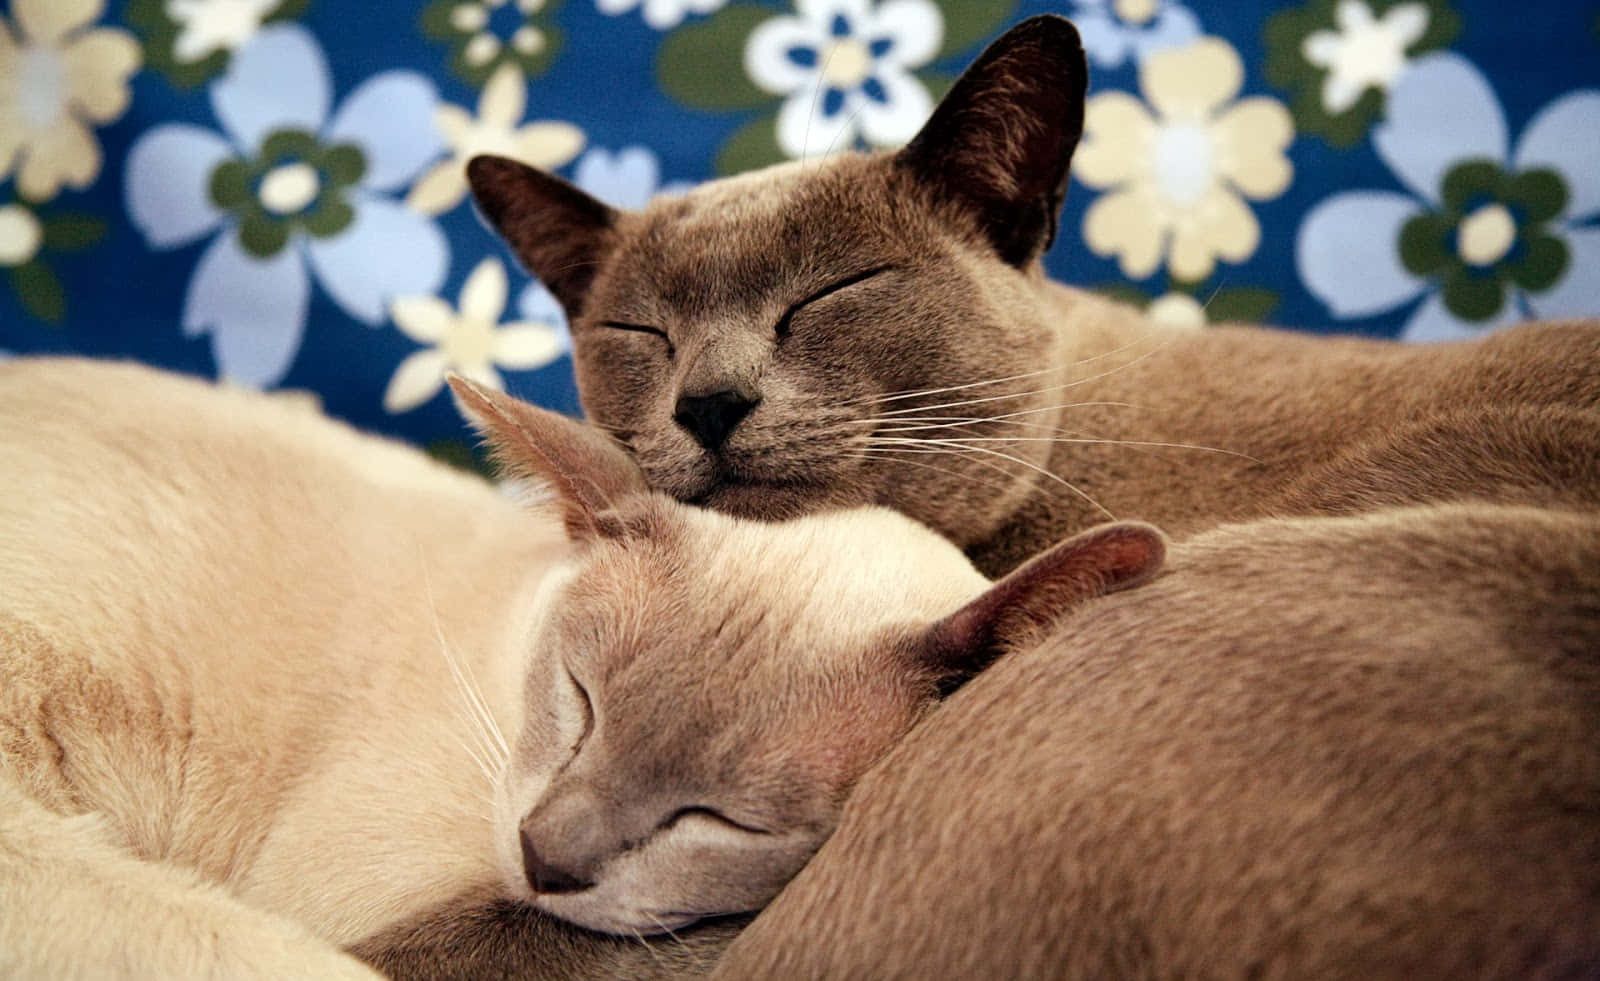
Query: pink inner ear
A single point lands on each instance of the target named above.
(1028, 602)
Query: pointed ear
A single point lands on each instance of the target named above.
(1002, 139)
(586, 471)
(559, 233)
(1022, 607)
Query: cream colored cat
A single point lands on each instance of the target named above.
(879, 329)
(269, 687)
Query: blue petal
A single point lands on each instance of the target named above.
(254, 310)
(625, 179)
(1107, 42)
(1440, 112)
(1577, 294)
(168, 183)
(802, 56)
(875, 91)
(387, 251)
(832, 102)
(537, 305)
(1565, 136)
(1175, 27)
(840, 26)
(278, 79)
(390, 117)
(1433, 322)
(881, 47)
(1348, 253)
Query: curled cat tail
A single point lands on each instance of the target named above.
(586, 471)
(1021, 608)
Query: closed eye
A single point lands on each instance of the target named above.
(641, 329)
(782, 329)
(715, 815)
(588, 708)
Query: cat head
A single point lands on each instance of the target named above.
(703, 690)
(787, 340)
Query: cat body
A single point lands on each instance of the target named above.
(879, 329)
(272, 687)
(1357, 747)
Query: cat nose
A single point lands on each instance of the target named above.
(547, 878)
(710, 418)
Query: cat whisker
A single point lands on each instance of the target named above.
(490, 742)
(957, 445)
(897, 456)
(1105, 442)
(910, 423)
(915, 393)
(1017, 395)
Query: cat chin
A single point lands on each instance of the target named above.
(762, 500)
(618, 922)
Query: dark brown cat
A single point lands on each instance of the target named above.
(879, 329)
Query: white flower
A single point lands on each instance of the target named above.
(1175, 180)
(1114, 29)
(1365, 52)
(21, 235)
(495, 130)
(845, 66)
(470, 341)
(1490, 234)
(58, 74)
(290, 193)
(207, 26)
(660, 14)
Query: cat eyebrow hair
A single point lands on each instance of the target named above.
(782, 329)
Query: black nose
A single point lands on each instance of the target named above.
(710, 418)
(547, 878)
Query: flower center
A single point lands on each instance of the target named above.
(1177, 310)
(1486, 235)
(1136, 11)
(470, 342)
(43, 86)
(20, 235)
(1183, 163)
(287, 189)
(847, 63)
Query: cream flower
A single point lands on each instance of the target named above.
(1175, 179)
(208, 26)
(500, 107)
(470, 341)
(21, 235)
(57, 74)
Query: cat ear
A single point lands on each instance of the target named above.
(1023, 606)
(586, 471)
(559, 233)
(1000, 142)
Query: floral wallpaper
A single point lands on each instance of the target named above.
(272, 191)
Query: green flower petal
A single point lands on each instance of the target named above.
(341, 165)
(230, 185)
(40, 292)
(751, 146)
(262, 236)
(702, 65)
(330, 219)
(1425, 244)
(73, 233)
(1242, 304)
(968, 23)
(435, 21)
(1543, 262)
(1541, 193)
(1473, 298)
(1469, 180)
(284, 144)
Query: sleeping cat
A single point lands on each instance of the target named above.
(1358, 748)
(879, 329)
(269, 687)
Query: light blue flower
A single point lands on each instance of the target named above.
(1113, 30)
(1489, 235)
(626, 179)
(290, 194)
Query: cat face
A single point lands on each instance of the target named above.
(695, 716)
(702, 690)
(810, 335)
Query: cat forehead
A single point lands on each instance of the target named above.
(819, 585)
